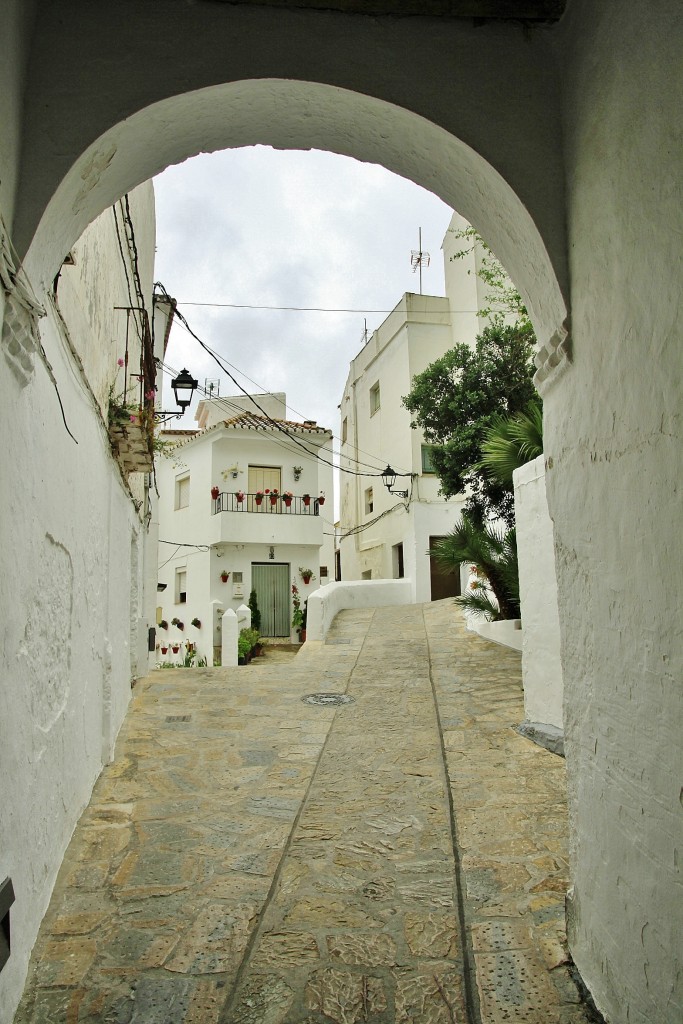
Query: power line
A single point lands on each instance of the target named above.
(359, 462)
(275, 423)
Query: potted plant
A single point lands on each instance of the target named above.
(321, 499)
(274, 495)
(163, 624)
(215, 491)
(255, 611)
(240, 496)
(243, 647)
(224, 575)
(306, 498)
(297, 614)
(258, 497)
(287, 498)
(307, 575)
(178, 623)
(175, 648)
(298, 470)
(197, 623)
(164, 650)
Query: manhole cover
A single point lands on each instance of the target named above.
(327, 698)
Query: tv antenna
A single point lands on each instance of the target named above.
(418, 258)
(212, 388)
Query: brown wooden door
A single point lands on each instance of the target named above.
(443, 584)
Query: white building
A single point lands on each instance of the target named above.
(382, 535)
(78, 582)
(252, 530)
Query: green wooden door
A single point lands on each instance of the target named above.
(271, 582)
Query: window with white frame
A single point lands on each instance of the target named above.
(181, 586)
(374, 398)
(182, 491)
(427, 464)
(369, 501)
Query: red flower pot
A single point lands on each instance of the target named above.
(307, 500)
(306, 578)
(288, 502)
(258, 499)
(175, 649)
(321, 501)
(215, 491)
(273, 499)
(164, 650)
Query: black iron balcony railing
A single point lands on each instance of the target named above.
(268, 504)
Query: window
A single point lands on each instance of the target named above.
(374, 398)
(264, 478)
(180, 586)
(427, 464)
(345, 429)
(323, 572)
(182, 491)
(237, 577)
(369, 503)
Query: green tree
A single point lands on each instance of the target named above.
(460, 396)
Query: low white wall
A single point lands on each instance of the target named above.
(323, 604)
(541, 665)
(506, 631)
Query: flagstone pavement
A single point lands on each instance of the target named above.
(251, 858)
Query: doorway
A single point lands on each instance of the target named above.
(270, 580)
(443, 583)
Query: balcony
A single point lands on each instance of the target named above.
(268, 518)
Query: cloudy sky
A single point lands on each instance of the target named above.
(259, 227)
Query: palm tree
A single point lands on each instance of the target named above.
(494, 553)
(510, 442)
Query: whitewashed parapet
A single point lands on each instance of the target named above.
(326, 602)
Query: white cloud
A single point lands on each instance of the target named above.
(266, 227)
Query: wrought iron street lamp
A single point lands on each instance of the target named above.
(184, 386)
(389, 478)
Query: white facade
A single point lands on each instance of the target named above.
(375, 427)
(262, 545)
(75, 561)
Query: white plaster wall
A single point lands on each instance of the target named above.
(66, 533)
(613, 451)
(72, 581)
(541, 663)
(327, 602)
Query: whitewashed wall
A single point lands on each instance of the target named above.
(541, 663)
(613, 433)
(72, 576)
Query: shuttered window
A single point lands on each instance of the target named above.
(182, 491)
(264, 478)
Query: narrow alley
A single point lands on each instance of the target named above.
(252, 856)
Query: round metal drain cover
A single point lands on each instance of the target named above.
(327, 698)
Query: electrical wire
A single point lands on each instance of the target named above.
(301, 309)
(275, 423)
(358, 462)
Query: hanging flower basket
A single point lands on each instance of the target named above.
(306, 498)
(225, 576)
(287, 498)
(258, 497)
(163, 624)
(178, 623)
(321, 499)
(273, 497)
(197, 623)
(215, 491)
(240, 496)
(175, 648)
(164, 650)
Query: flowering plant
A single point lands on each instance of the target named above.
(307, 574)
(297, 614)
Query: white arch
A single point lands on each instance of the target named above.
(290, 114)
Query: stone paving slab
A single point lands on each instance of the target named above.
(251, 858)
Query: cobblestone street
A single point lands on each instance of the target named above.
(250, 858)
